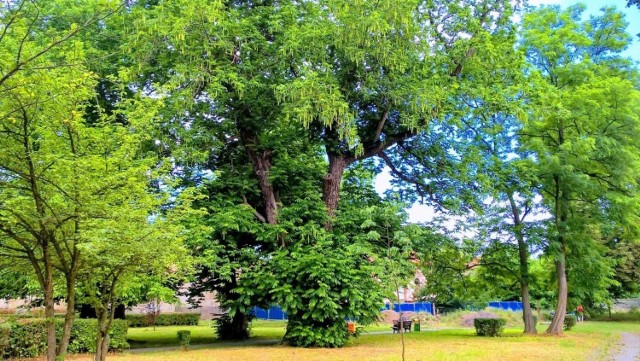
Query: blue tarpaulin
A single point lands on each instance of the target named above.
(276, 313)
(507, 305)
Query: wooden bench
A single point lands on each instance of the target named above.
(406, 326)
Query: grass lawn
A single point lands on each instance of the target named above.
(588, 341)
(145, 337)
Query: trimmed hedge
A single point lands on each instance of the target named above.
(164, 319)
(489, 326)
(27, 338)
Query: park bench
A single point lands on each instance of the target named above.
(406, 326)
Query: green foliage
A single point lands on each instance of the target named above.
(83, 336)
(27, 338)
(5, 334)
(184, 338)
(588, 172)
(492, 327)
(627, 268)
(569, 322)
(318, 301)
(164, 319)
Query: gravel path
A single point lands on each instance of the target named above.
(630, 348)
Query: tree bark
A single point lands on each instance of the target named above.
(49, 312)
(261, 162)
(331, 187)
(523, 253)
(529, 323)
(262, 168)
(557, 324)
(68, 319)
(102, 335)
(105, 313)
(560, 213)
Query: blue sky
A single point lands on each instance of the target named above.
(421, 213)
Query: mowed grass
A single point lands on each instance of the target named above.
(145, 337)
(588, 341)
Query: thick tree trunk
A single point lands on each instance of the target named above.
(49, 312)
(240, 326)
(331, 187)
(557, 323)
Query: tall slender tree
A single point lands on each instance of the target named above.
(586, 129)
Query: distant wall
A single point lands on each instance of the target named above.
(276, 312)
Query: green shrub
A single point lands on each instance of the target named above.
(5, 329)
(569, 322)
(306, 333)
(83, 336)
(184, 338)
(164, 319)
(546, 315)
(489, 326)
(28, 337)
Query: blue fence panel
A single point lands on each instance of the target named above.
(261, 313)
(276, 312)
(407, 307)
(424, 307)
(507, 305)
(410, 307)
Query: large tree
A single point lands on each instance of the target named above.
(585, 131)
(351, 80)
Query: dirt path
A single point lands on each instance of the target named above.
(630, 348)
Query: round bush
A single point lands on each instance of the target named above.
(489, 326)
